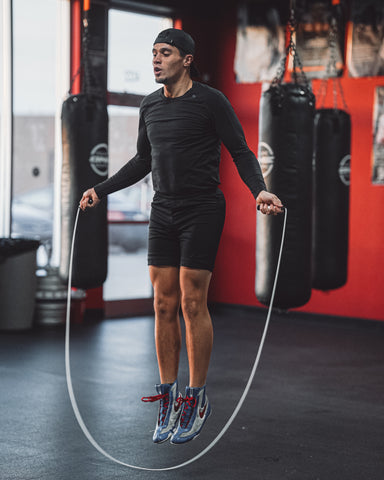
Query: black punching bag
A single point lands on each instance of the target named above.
(285, 153)
(85, 163)
(331, 198)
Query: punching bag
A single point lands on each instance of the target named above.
(331, 198)
(85, 163)
(285, 154)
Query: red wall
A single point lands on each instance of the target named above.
(234, 276)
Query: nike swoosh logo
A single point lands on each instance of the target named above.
(202, 411)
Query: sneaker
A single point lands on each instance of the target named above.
(169, 410)
(196, 410)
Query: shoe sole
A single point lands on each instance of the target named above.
(165, 439)
(162, 441)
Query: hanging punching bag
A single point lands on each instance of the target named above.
(331, 198)
(85, 163)
(285, 154)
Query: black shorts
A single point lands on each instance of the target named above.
(186, 231)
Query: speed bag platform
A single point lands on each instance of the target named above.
(285, 154)
(85, 163)
(331, 198)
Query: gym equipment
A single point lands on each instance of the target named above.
(331, 198)
(85, 163)
(332, 154)
(285, 154)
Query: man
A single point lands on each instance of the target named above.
(180, 131)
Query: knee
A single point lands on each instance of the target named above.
(166, 306)
(192, 306)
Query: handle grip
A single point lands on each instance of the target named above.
(258, 207)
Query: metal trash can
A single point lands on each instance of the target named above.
(17, 282)
(51, 299)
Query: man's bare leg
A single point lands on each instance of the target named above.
(194, 286)
(165, 281)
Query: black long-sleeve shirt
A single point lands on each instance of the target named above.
(179, 140)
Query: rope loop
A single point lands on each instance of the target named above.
(71, 393)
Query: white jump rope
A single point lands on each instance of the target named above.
(238, 406)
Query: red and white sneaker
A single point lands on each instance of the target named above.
(196, 410)
(169, 410)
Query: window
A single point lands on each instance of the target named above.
(130, 78)
(131, 36)
(34, 59)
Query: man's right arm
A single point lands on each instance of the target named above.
(133, 171)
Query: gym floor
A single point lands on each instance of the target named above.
(314, 412)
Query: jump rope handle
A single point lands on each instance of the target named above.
(258, 208)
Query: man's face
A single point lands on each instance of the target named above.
(168, 64)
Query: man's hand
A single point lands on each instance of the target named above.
(268, 203)
(87, 196)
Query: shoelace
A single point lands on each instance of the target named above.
(189, 405)
(163, 404)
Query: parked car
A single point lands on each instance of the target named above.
(128, 219)
(32, 214)
(32, 217)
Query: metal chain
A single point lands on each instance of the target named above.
(75, 76)
(88, 77)
(84, 61)
(331, 67)
(341, 93)
(291, 50)
(331, 71)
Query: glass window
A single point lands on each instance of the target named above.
(128, 214)
(131, 37)
(34, 42)
(130, 43)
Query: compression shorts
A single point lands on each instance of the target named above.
(186, 231)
